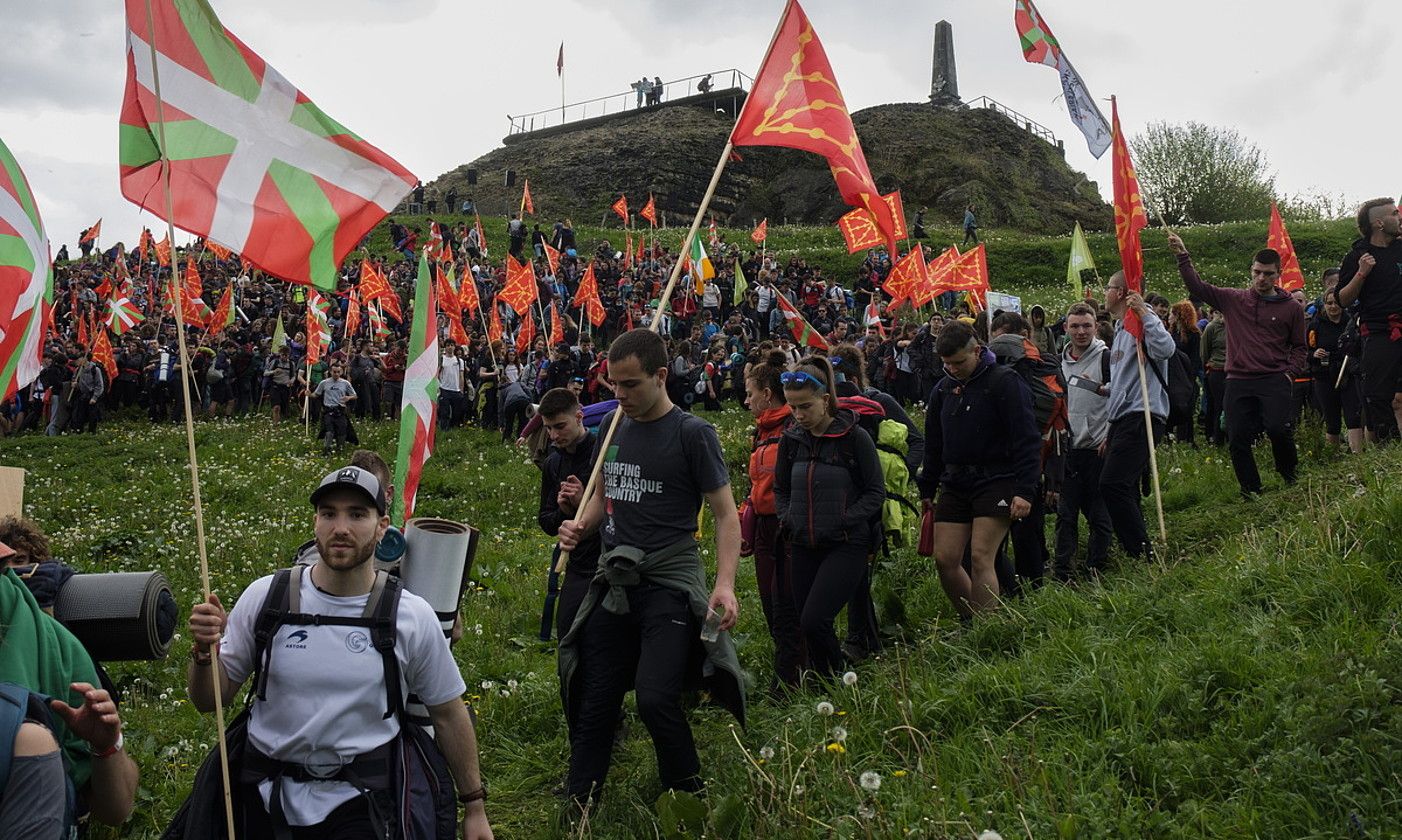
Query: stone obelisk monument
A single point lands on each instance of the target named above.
(944, 82)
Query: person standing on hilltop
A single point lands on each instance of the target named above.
(1371, 275)
(970, 226)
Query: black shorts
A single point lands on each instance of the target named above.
(992, 498)
(1382, 367)
(280, 395)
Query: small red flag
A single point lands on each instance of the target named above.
(1130, 217)
(1291, 277)
(860, 231)
(92, 233)
(621, 208)
(102, 353)
(649, 211)
(526, 203)
(494, 330)
(520, 289)
(761, 232)
(552, 258)
(557, 327)
(352, 313)
(467, 295)
(906, 278)
(525, 336)
(217, 250)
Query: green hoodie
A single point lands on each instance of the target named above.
(40, 654)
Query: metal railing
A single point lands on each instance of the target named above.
(632, 100)
(1024, 122)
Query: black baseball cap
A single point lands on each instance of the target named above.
(354, 478)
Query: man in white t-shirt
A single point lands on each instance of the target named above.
(451, 375)
(324, 699)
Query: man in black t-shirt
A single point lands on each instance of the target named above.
(640, 620)
(1371, 274)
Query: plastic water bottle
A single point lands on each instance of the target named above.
(710, 628)
(391, 548)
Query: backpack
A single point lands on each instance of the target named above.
(414, 794)
(1181, 387)
(1046, 383)
(18, 704)
(899, 514)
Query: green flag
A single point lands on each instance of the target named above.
(279, 336)
(1080, 260)
(741, 284)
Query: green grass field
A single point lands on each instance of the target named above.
(1246, 686)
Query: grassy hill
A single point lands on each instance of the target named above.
(1247, 685)
(945, 159)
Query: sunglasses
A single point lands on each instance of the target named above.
(801, 379)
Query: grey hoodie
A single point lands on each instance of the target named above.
(1085, 409)
(1159, 347)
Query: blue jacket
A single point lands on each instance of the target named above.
(979, 430)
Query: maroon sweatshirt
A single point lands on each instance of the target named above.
(1267, 333)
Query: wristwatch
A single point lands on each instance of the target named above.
(112, 750)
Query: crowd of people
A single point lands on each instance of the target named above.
(1023, 416)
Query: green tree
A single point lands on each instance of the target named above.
(1196, 173)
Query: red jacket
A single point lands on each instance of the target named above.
(769, 427)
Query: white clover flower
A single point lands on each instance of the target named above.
(766, 753)
(839, 734)
(824, 708)
(871, 781)
(849, 678)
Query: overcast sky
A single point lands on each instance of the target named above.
(431, 82)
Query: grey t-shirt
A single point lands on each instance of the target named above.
(333, 392)
(655, 475)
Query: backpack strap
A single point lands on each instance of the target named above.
(276, 606)
(382, 609)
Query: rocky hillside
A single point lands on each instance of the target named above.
(943, 159)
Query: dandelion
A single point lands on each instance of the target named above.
(899, 774)
(798, 790)
(824, 708)
(871, 781)
(839, 734)
(836, 748)
(512, 684)
(866, 812)
(849, 678)
(989, 834)
(488, 685)
(766, 753)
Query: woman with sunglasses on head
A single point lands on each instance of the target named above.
(828, 492)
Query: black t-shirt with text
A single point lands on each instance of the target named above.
(655, 475)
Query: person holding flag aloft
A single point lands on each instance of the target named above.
(1127, 443)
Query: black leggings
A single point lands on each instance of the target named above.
(1344, 404)
(824, 579)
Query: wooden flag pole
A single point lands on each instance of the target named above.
(214, 672)
(307, 394)
(1153, 452)
(654, 327)
(666, 295)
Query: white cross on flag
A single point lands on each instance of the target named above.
(255, 165)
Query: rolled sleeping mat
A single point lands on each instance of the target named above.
(119, 616)
(437, 558)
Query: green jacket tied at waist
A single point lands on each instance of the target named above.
(712, 666)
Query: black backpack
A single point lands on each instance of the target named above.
(1181, 387)
(407, 782)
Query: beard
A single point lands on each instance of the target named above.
(344, 558)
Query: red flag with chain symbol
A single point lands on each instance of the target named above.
(1130, 217)
(795, 102)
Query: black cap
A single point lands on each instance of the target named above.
(356, 478)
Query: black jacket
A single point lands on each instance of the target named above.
(558, 466)
(981, 430)
(829, 489)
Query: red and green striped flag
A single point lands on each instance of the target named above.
(26, 280)
(419, 410)
(255, 164)
(803, 332)
(122, 314)
(318, 327)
